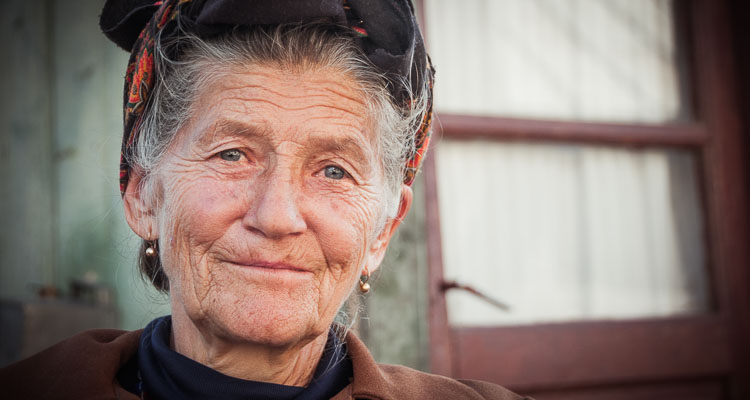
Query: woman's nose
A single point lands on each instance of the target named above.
(275, 211)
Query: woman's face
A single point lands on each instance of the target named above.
(269, 200)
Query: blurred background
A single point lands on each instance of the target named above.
(580, 229)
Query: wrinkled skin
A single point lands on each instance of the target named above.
(262, 241)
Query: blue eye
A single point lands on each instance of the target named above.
(230, 155)
(334, 172)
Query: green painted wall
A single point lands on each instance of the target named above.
(60, 125)
(394, 321)
(27, 251)
(91, 232)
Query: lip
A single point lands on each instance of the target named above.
(269, 265)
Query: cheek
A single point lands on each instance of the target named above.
(196, 213)
(343, 225)
(202, 207)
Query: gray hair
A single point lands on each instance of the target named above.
(297, 48)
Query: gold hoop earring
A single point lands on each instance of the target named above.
(151, 251)
(364, 287)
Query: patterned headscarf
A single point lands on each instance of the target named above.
(385, 30)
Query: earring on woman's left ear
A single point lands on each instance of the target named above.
(364, 287)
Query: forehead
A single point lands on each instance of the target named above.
(283, 105)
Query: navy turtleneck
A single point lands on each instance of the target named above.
(159, 372)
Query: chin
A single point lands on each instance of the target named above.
(270, 319)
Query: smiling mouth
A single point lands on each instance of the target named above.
(270, 266)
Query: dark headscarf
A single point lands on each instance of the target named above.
(385, 30)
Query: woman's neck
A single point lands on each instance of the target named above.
(292, 365)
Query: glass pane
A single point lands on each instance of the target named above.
(570, 232)
(589, 60)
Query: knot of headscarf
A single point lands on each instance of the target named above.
(385, 30)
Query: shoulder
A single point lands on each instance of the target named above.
(385, 382)
(423, 385)
(93, 357)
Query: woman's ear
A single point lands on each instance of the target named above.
(139, 209)
(378, 248)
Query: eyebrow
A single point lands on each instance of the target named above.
(352, 148)
(226, 126)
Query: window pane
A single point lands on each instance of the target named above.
(591, 60)
(570, 232)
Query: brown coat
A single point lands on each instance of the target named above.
(85, 366)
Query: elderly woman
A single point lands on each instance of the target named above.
(268, 154)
